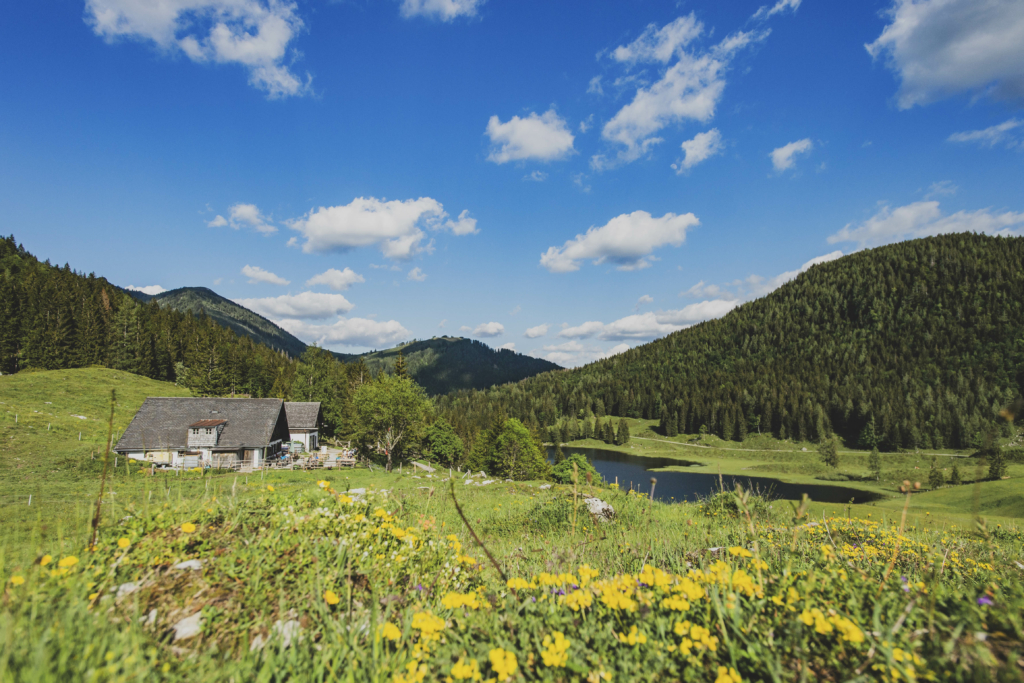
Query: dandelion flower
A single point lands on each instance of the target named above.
(17, 580)
(331, 598)
(188, 527)
(66, 562)
(270, 488)
(504, 663)
(123, 543)
(93, 596)
(390, 631)
(45, 561)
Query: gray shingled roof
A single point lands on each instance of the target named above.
(162, 423)
(302, 415)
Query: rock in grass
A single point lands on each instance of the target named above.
(545, 487)
(189, 564)
(600, 509)
(188, 627)
(126, 589)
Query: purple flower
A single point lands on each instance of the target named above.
(985, 600)
(419, 587)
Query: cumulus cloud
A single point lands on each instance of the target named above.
(511, 346)
(584, 331)
(538, 331)
(626, 240)
(307, 305)
(695, 313)
(416, 275)
(444, 10)
(783, 157)
(688, 89)
(991, 136)
(348, 332)
(924, 219)
(545, 138)
(703, 146)
(939, 48)
(573, 354)
(257, 275)
(395, 227)
(638, 327)
(594, 87)
(151, 290)
(489, 330)
(536, 176)
(645, 299)
(338, 280)
(252, 33)
(704, 290)
(244, 216)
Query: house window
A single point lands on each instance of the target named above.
(209, 431)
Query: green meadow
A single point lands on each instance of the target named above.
(421, 578)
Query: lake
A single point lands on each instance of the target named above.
(636, 470)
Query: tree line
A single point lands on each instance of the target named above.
(911, 345)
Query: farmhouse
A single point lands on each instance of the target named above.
(224, 432)
(304, 422)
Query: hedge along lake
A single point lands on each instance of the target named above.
(637, 470)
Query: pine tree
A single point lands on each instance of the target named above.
(609, 432)
(935, 477)
(559, 454)
(622, 435)
(868, 435)
(400, 368)
(954, 476)
(829, 452)
(996, 463)
(875, 464)
(673, 425)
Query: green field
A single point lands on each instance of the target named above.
(393, 586)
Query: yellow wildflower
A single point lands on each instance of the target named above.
(578, 600)
(503, 662)
(331, 598)
(740, 552)
(517, 584)
(463, 670)
(728, 675)
(270, 488)
(17, 580)
(427, 624)
(45, 561)
(556, 649)
(634, 637)
(123, 543)
(66, 562)
(456, 600)
(390, 631)
(188, 527)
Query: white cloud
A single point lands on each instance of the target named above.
(338, 280)
(445, 10)
(586, 124)
(395, 227)
(943, 187)
(782, 157)
(252, 33)
(538, 331)
(443, 323)
(348, 332)
(924, 219)
(573, 354)
(244, 215)
(151, 290)
(659, 44)
(645, 299)
(516, 310)
(626, 240)
(545, 137)
(640, 326)
(257, 275)
(688, 89)
(489, 330)
(511, 346)
(536, 176)
(305, 305)
(702, 146)
(780, 6)
(594, 87)
(584, 331)
(991, 136)
(416, 275)
(463, 226)
(695, 313)
(940, 48)
(714, 291)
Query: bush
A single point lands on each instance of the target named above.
(562, 472)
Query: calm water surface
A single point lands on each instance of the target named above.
(635, 470)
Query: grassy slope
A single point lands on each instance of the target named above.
(53, 465)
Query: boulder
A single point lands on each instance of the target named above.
(600, 509)
(188, 627)
(192, 565)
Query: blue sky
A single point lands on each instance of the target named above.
(568, 178)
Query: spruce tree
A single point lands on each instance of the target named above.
(996, 463)
(673, 425)
(622, 435)
(935, 477)
(954, 476)
(400, 368)
(875, 464)
(829, 452)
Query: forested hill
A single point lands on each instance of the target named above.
(229, 314)
(912, 344)
(444, 364)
